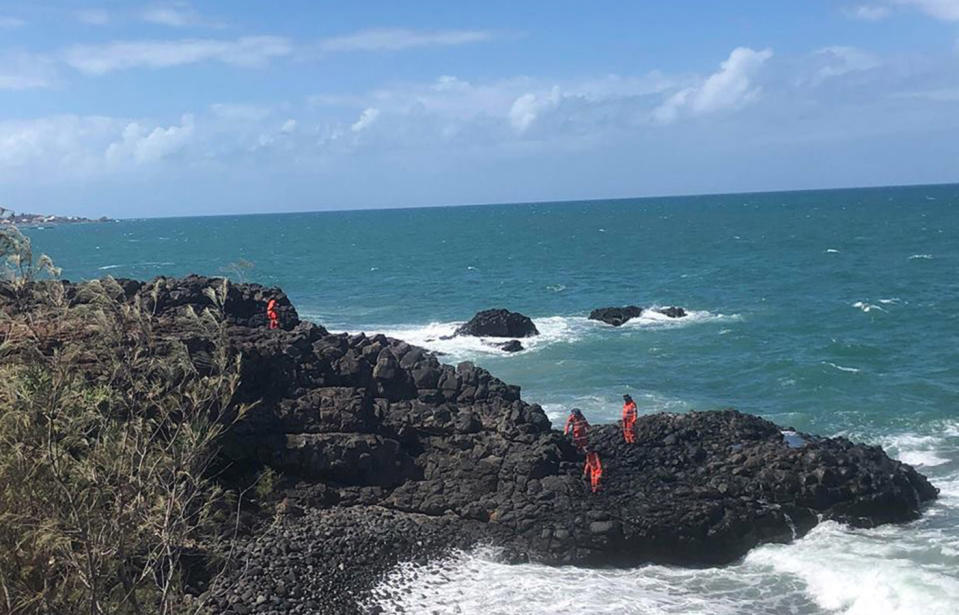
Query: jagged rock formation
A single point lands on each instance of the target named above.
(498, 323)
(386, 454)
(616, 316)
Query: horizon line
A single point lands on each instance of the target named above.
(536, 202)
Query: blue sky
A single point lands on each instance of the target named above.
(136, 109)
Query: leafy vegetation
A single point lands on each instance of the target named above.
(109, 429)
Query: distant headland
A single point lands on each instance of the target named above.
(10, 217)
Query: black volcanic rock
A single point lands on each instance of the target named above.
(384, 455)
(510, 346)
(498, 323)
(616, 316)
(672, 311)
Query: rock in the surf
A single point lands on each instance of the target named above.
(672, 311)
(510, 346)
(616, 316)
(498, 323)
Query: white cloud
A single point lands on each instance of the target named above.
(22, 71)
(11, 22)
(839, 60)
(367, 118)
(288, 126)
(395, 39)
(525, 109)
(728, 88)
(175, 15)
(144, 146)
(947, 10)
(867, 12)
(93, 17)
(239, 112)
(250, 51)
(54, 146)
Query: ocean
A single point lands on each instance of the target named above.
(834, 312)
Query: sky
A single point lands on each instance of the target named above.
(141, 109)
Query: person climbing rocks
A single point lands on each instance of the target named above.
(593, 469)
(272, 315)
(577, 424)
(629, 419)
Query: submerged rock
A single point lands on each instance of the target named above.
(498, 323)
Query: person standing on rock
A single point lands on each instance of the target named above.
(593, 469)
(272, 315)
(629, 419)
(577, 424)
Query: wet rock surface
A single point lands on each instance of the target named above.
(617, 316)
(498, 323)
(384, 454)
(510, 346)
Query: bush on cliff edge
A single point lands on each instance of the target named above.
(108, 430)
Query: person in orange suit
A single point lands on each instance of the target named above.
(580, 428)
(629, 419)
(593, 469)
(272, 315)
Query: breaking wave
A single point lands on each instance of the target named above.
(438, 336)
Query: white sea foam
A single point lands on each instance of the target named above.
(833, 569)
(937, 447)
(887, 570)
(867, 307)
(651, 319)
(552, 330)
(916, 450)
(924, 257)
(852, 370)
(889, 301)
(145, 264)
(832, 251)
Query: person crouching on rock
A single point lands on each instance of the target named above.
(580, 428)
(272, 315)
(593, 469)
(629, 419)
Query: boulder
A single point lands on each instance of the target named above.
(498, 323)
(672, 311)
(616, 316)
(510, 346)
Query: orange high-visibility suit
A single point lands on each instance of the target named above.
(580, 428)
(272, 315)
(629, 421)
(594, 469)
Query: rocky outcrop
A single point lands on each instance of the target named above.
(384, 454)
(498, 323)
(616, 316)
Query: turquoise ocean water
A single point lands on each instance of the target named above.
(834, 312)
